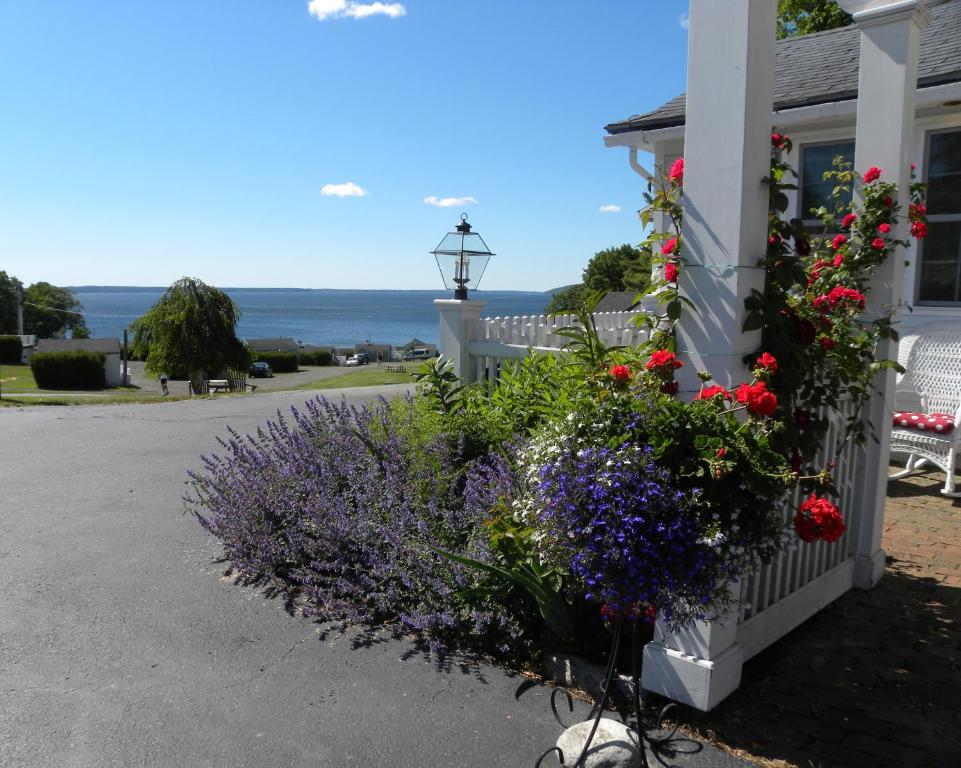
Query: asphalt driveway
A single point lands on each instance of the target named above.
(122, 645)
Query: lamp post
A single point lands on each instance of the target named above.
(454, 255)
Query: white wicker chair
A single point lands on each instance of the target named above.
(931, 383)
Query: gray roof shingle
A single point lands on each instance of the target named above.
(823, 67)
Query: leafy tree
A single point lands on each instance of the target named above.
(190, 331)
(802, 17)
(49, 312)
(8, 302)
(622, 268)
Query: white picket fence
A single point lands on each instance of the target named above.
(512, 338)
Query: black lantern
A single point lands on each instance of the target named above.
(456, 253)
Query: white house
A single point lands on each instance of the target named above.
(109, 347)
(815, 103)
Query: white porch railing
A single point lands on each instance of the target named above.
(511, 338)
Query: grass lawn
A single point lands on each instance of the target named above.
(16, 378)
(359, 379)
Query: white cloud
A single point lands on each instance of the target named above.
(336, 9)
(343, 190)
(684, 20)
(449, 202)
(610, 209)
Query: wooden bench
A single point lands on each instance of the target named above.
(218, 385)
(395, 369)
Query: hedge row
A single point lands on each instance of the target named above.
(68, 370)
(319, 357)
(281, 362)
(11, 350)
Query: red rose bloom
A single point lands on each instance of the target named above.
(670, 272)
(767, 361)
(827, 343)
(878, 243)
(662, 361)
(838, 241)
(918, 229)
(848, 220)
(818, 519)
(838, 260)
(841, 295)
(711, 392)
(778, 140)
(917, 209)
(670, 245)
(884, 228)
(620, 373)
(888, 201)
(872, 174)
(676, 174)
(756, 397)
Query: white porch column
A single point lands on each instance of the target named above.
(459, 326)
(727, 151)
(887, 85)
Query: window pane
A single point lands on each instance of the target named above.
(815, 160)
(941, 263)
(944, 173)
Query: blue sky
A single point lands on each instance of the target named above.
(144, 141)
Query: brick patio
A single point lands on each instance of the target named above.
(875, 679)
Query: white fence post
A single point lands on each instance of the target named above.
(727, 155)
(459, 326)
(887, 84)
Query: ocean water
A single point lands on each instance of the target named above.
(322, 316)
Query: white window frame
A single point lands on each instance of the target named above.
(798, 162)
(925, 136)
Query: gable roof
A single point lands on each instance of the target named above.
(617, 301)
(107, 346)
(272, 345)
(823, 67)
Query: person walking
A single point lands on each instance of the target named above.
(163, 383)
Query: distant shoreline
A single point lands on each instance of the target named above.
(161, 288)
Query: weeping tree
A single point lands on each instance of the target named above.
(190, 332)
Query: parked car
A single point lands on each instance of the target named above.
(362, 358)
(417, 354)
(261, 370)
(352, 361)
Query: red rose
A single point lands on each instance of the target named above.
(756, 397)
(888, 201)
(872, 174)
(772, 240)
(670, 272)
(676, 174)
(818, 519)
(662, 361)
(766, 361)
(670, 245)
(721, 452)
(848, 220)
(838, 241)
(841, 295)
(918, 229)
(917, 209)
(884, 228)
(827, 343)
(620, 373)
(838, 261)
(878, 243)
(711, 392)
(778, 140)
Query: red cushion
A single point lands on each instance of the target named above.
(942, 423)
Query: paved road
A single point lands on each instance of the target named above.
(120, 644)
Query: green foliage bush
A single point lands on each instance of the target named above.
(318, 357)
(68, 370)
(11, 350)
(281, 362)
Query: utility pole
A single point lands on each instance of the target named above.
(19, 308)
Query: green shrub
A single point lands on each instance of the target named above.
(68, 370)
(318, 357)
(281, 362)
(11, 350)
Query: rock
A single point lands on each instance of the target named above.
(614, 745)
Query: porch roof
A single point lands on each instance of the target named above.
(823, 67)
